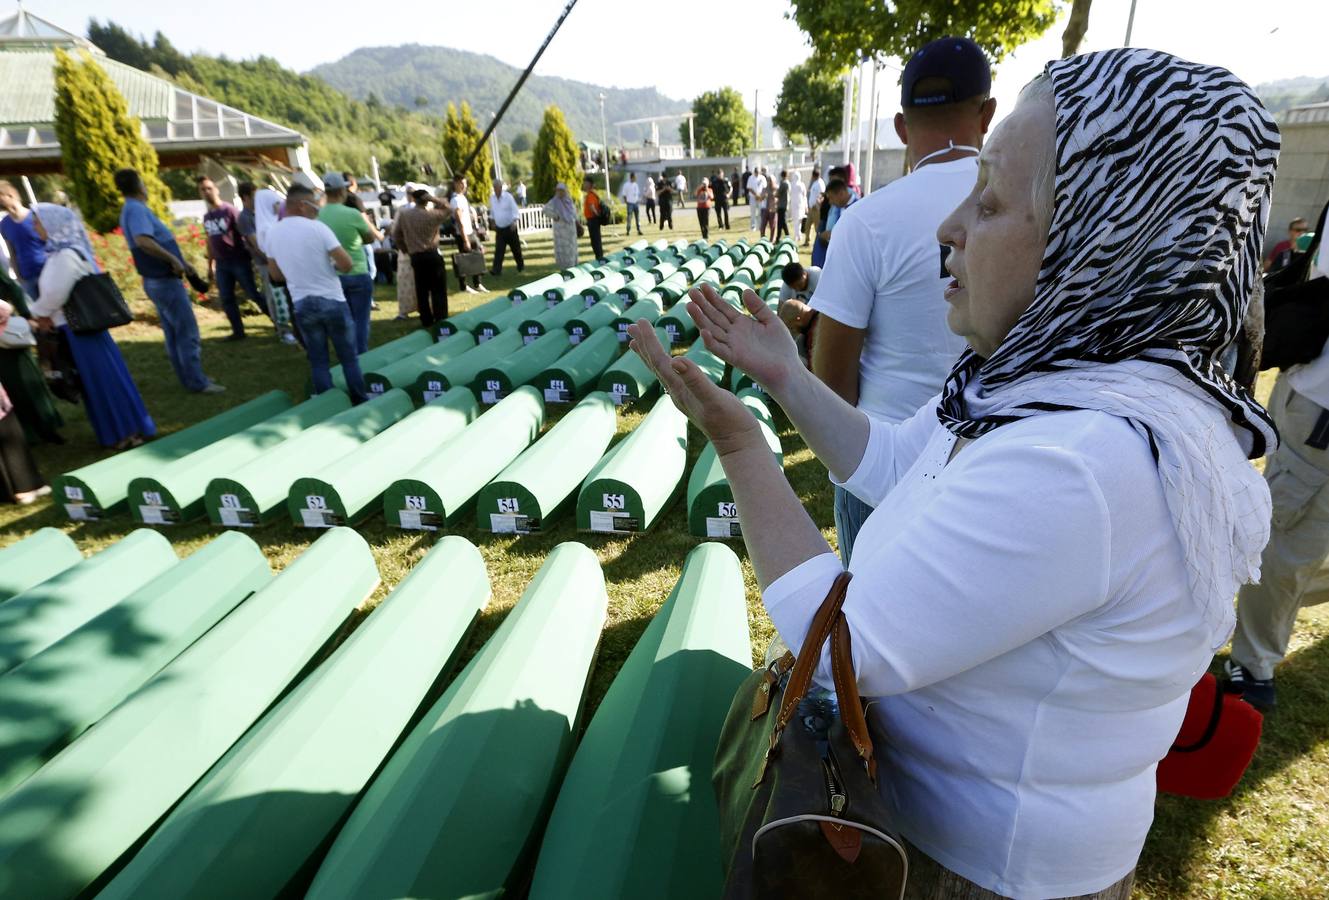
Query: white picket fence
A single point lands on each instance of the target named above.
(533, 218)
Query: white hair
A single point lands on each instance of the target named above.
(1040, 91)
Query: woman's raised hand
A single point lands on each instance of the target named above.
(759, 344)
(720, 415)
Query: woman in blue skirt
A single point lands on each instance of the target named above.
(115, 408)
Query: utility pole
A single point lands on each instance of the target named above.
(1130, 25)
(692, 140)
(756, 124)
(872, 132)
(604, 151)
(844, 118)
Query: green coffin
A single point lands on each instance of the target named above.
(630, 380)
(508, 319)
(678, 324)
(536, 288)
(438, 490)
(693, 267)
(535, 488)
(250, 826)
(570, 288)
(604, 287)
(711, 365)
(100, 488)
(712, 512)
(380, 356)
(632, 485)
(674, 288)
(661, 272)
(55, 695)
(740, 381)
(576, 372)
(173, 493)
(350, 488)
(501, 379)
(405, 372)
(461, 371)
(62, 827)
(601, 315)
(650, 308)
(636, 289)
(27, 563)
(37, 618)
(636, 816)
(256, 491)
(457, 809)
(722, 268)
(468, 320)
(555, 319)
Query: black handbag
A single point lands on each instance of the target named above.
(800, 811)
(96, 304)
(1296, 309)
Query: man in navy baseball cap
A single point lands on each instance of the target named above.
(946, 71)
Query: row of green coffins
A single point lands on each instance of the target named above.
(195, 733)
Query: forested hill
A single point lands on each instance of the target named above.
(1290, 92)
(427, 78)
(342, 131)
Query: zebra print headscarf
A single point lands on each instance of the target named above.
(1163, 175)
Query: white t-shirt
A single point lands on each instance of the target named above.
(1023, 614)
(680, 183)
(756, 185)
(266, 203)
(301, 247)
(648, 189)
(815, 191)
(461, 209)
(504, 209)
(631, 192)
(883, 274)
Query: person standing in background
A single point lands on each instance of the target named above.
(21, 481)
(355, 202)
(681, 189)
(228, 257)
(756, 191)
(355, 233)
(782, 207)
(705, 197)
(26, 248)
(720, 187)
(520, 193)
(798, 204)
(503, 210)
(591, 211)
(385, 202)
(159, 261)
(813, 212)
(563, 213)
(648, 197)
(632, 197)
(415, 233)
(736, 182)
(247, 222)
(666, 204)
(303, 252)
(464, 231)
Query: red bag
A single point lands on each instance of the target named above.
(1216, 743)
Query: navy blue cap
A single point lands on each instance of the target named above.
(957, 60)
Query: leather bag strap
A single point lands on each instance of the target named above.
(846, 691)
(809, 655)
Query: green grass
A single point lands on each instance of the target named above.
(1270, 840)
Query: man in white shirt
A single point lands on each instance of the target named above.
(648, 197)
(464, 232)
(882, 339)
(304, 253)
(632, 197)
(505, 213)
(681, 189)
(815, 190)
(756, 188)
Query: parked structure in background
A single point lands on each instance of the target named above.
(1302, 184)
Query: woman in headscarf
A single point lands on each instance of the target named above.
(1057, 537)
(851, 176)
(115, 409)
(563, 214)
(22, 378)
(20, 480)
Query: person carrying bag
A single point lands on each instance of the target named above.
(796, 780)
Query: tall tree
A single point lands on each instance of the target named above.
(723, 124)
(555, 158)
(98, 136)
(1077, 23)
(460, 137)
(841, 30)
(809, 104)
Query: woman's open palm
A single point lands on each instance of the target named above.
(760, 344)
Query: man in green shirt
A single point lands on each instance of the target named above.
(353, 231)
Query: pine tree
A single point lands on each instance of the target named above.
(460, 135)
(555, 158)
(98, 136)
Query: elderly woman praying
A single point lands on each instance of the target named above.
(1059, 535)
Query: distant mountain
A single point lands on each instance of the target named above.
(1289, 92)
(427, 78)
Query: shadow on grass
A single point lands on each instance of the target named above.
(1296, 728)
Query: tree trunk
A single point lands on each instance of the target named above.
(1076, 25)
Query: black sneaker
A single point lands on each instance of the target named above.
(1259, 693)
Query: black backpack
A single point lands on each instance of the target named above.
(1296, 309)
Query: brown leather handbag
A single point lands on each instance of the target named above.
(800, 812)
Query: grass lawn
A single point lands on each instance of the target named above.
(1270, 840)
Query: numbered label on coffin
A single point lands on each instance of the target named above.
(316, 513)
(233, 515)
(416, 517)
(618, 392)
(531, 334)
(153, 511)
(433, 390)
(623, 332)
(492, 392)
(512, 524)
(82, 512)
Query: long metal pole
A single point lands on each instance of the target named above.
(844, 118)
(858, 119)
(604, 151)
(512, 95)
(872, 132)
(1130, 25)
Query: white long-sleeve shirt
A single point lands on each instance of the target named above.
(631, 192)
(504, 209)
(1024, 616)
